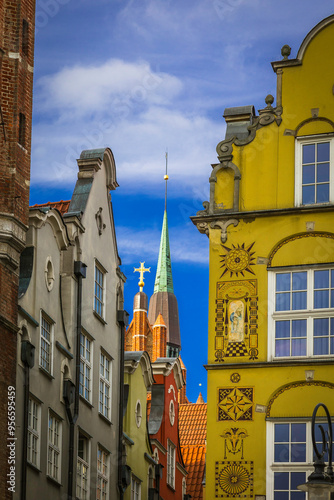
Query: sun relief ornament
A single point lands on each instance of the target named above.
(234, 479)
(237, 260)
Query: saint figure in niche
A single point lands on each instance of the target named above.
(236, 321)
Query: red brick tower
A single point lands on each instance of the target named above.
(17, 26)
(159, 339)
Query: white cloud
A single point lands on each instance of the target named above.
(138, 115)
(106, 88)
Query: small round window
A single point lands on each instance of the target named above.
(49, 274)
(138, 413)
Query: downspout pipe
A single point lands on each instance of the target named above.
(80, 273)
(28, 359)
(122, 318)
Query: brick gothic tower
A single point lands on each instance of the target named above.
(17, 25)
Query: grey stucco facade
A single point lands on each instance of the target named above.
(71, 296)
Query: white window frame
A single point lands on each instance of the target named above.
(83, 470)
(273, 466)
(138, 413)
(102, 485)
(300, 141)
(135, 488)
(54, 446)
(86, 367)
(308, 314)
(99, 298)
(34, 433)
(105, 385)
(171, 460)
(184, 487)
(46, 344)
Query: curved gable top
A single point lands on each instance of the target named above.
(304, 45)
(312, 34)
(39, 217)
(106, 156)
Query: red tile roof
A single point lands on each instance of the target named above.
(192, 431)
(194, 461)
(61, 205)
(192, 424)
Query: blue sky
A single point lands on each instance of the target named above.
(143, 76)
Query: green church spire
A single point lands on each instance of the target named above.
(163, 278)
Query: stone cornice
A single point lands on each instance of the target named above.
(12, 239)
(271, 364)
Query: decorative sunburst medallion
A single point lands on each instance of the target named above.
(234, 479)
(237, 260)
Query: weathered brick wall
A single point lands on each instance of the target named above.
(16, 79)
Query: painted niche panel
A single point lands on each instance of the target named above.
(236, 320)
(235, 403)
(234, 479)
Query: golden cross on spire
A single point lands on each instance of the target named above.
(142, 269)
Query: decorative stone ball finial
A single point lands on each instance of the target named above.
(285, 51)
(269, 100)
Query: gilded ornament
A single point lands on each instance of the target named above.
(237, 260)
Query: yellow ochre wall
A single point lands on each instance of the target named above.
(269, 233)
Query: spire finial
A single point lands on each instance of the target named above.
(166, 179)
(141, 270)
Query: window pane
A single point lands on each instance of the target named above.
(321, 299)
(298, 452)
(322, 193)
(298, 495)
(281, 453)
(299, 300)
(308, 174)
(308, 153)
(299, 281)
(308, 194)
(282, 348)
(282, 329)
(322, 173)
(299, 328)
(281, 480)
(321, 279)
(320, 346)
(297, 478)
(281, 495)
(283, 282)
(298, 347)
(323, 151)
(282, 433)
(321, 326)
(298, 433)
(282, 301)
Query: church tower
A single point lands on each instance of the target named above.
(163, 300)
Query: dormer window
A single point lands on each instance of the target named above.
(314, 170)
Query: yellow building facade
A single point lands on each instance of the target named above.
(270, 222)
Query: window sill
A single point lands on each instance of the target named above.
(107, 421)
(99, 318)
(33, 467)
(84, 400)
(171, 487)
(46, 373)
(53, 481)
